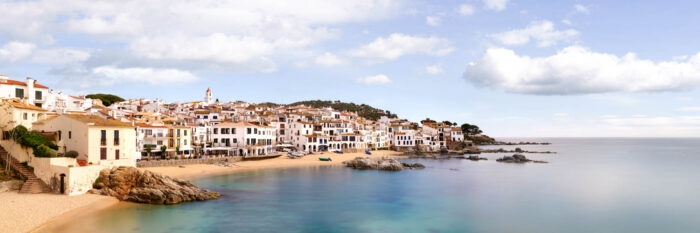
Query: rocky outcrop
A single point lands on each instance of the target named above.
(135, 185)
(475, 158)
(517, 158)
(517, 150)
(384, 164)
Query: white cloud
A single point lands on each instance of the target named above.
(433, 21)
(541, 31)
(15, 51)
(581, 8)
(158, 77)
(577, 70)
(434, 70)
(397, 45)
(495, 5)
(689, 109)
(328, 59)
(465, 9)
(374, 79)
(120, 24)
(567, 22)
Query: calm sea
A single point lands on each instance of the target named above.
(590, 185)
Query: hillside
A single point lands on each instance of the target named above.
(362, 110)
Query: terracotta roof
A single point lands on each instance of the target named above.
(98, 121)
(14, 82)
(19, 104)
(150, 126)
(76, 97)
(233, 124)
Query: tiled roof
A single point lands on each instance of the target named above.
(14, 82)
(97, 120)
(19, 104)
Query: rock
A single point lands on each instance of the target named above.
(181, 166)
(132, 184)
(10, 185)
(384, 164)
(517, 158)
(476, 158)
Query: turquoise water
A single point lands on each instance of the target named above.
(591, 185)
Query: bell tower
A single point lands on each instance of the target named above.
(208, 98)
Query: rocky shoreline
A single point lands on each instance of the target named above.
(142, 186)
(517, 150)
(382, 164)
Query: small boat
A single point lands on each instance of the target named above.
(338, 151)
(324, 159)
(367, 152)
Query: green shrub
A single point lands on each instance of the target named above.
(52, 145)
(18, 132)
(42, 151)
(32, 139)
(72, 154)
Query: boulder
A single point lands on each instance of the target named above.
(141, 186)
(517, 158)
(476, 158)
(383, 164)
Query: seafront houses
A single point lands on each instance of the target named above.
(30, 91)
(179, 140)
(153, 136)
(14, 112)
(243, 139)
(97, 140)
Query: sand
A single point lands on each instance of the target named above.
(49, 212)
(199, 170)
(27, 212)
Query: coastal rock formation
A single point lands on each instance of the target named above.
(517, 150)
(384, 164)
(517, 158)
(132, 184)
(475, 158)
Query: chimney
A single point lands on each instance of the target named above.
(30, 91)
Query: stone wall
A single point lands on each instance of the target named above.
(177, 162)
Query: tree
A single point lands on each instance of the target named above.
(107, 99)
(177, 150)
(471, 130)
(149, 148)
(162, 150)
(448, 123)
(427, 120)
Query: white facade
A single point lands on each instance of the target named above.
(29, 91)
(244, 138)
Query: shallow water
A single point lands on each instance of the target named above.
(590, 185)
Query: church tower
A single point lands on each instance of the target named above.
(207, 98)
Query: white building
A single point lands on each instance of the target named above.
(243, 138)
(30, 91)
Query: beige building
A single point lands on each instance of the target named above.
(97, 140)
(14, 112)
(180, 136)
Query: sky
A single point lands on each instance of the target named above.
(516, 68)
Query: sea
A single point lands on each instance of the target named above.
(590, 185)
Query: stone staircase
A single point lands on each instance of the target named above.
(33, 184)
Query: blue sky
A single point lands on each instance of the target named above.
(516, 68)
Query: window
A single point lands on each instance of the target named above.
(103, 137)
(255, 131)
(216, 140)
(216, 131)
(37, 95)
(185, 132)
(249, 130)
(116, 154)
(24, 116)
(116, 137)
(70, 134)
(159, 143)
(59, 135)
(19, 93)
(171, 143)
(206, 117)
(103, 153)
(233, 130)
(178, 132)
(185, 141)
(214, 117)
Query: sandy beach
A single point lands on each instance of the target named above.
(200, 170)
(47, 212)
(26, 212)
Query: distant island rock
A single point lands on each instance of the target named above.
(517, 158)
(383, 164)
(517, 150)
(141, 186)
(475, 158)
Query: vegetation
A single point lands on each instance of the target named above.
(42, 151)
(107, 99)
(481, 139)
(162, 150)
(470, 130)
(72, 154)
(362, 110)
(427, 120)
(149, 148)
(33, 139)
(18, 132)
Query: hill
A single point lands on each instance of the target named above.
(362, 110)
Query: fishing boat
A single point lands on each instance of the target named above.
(338, 151)
(367, 152)
(324, 159)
